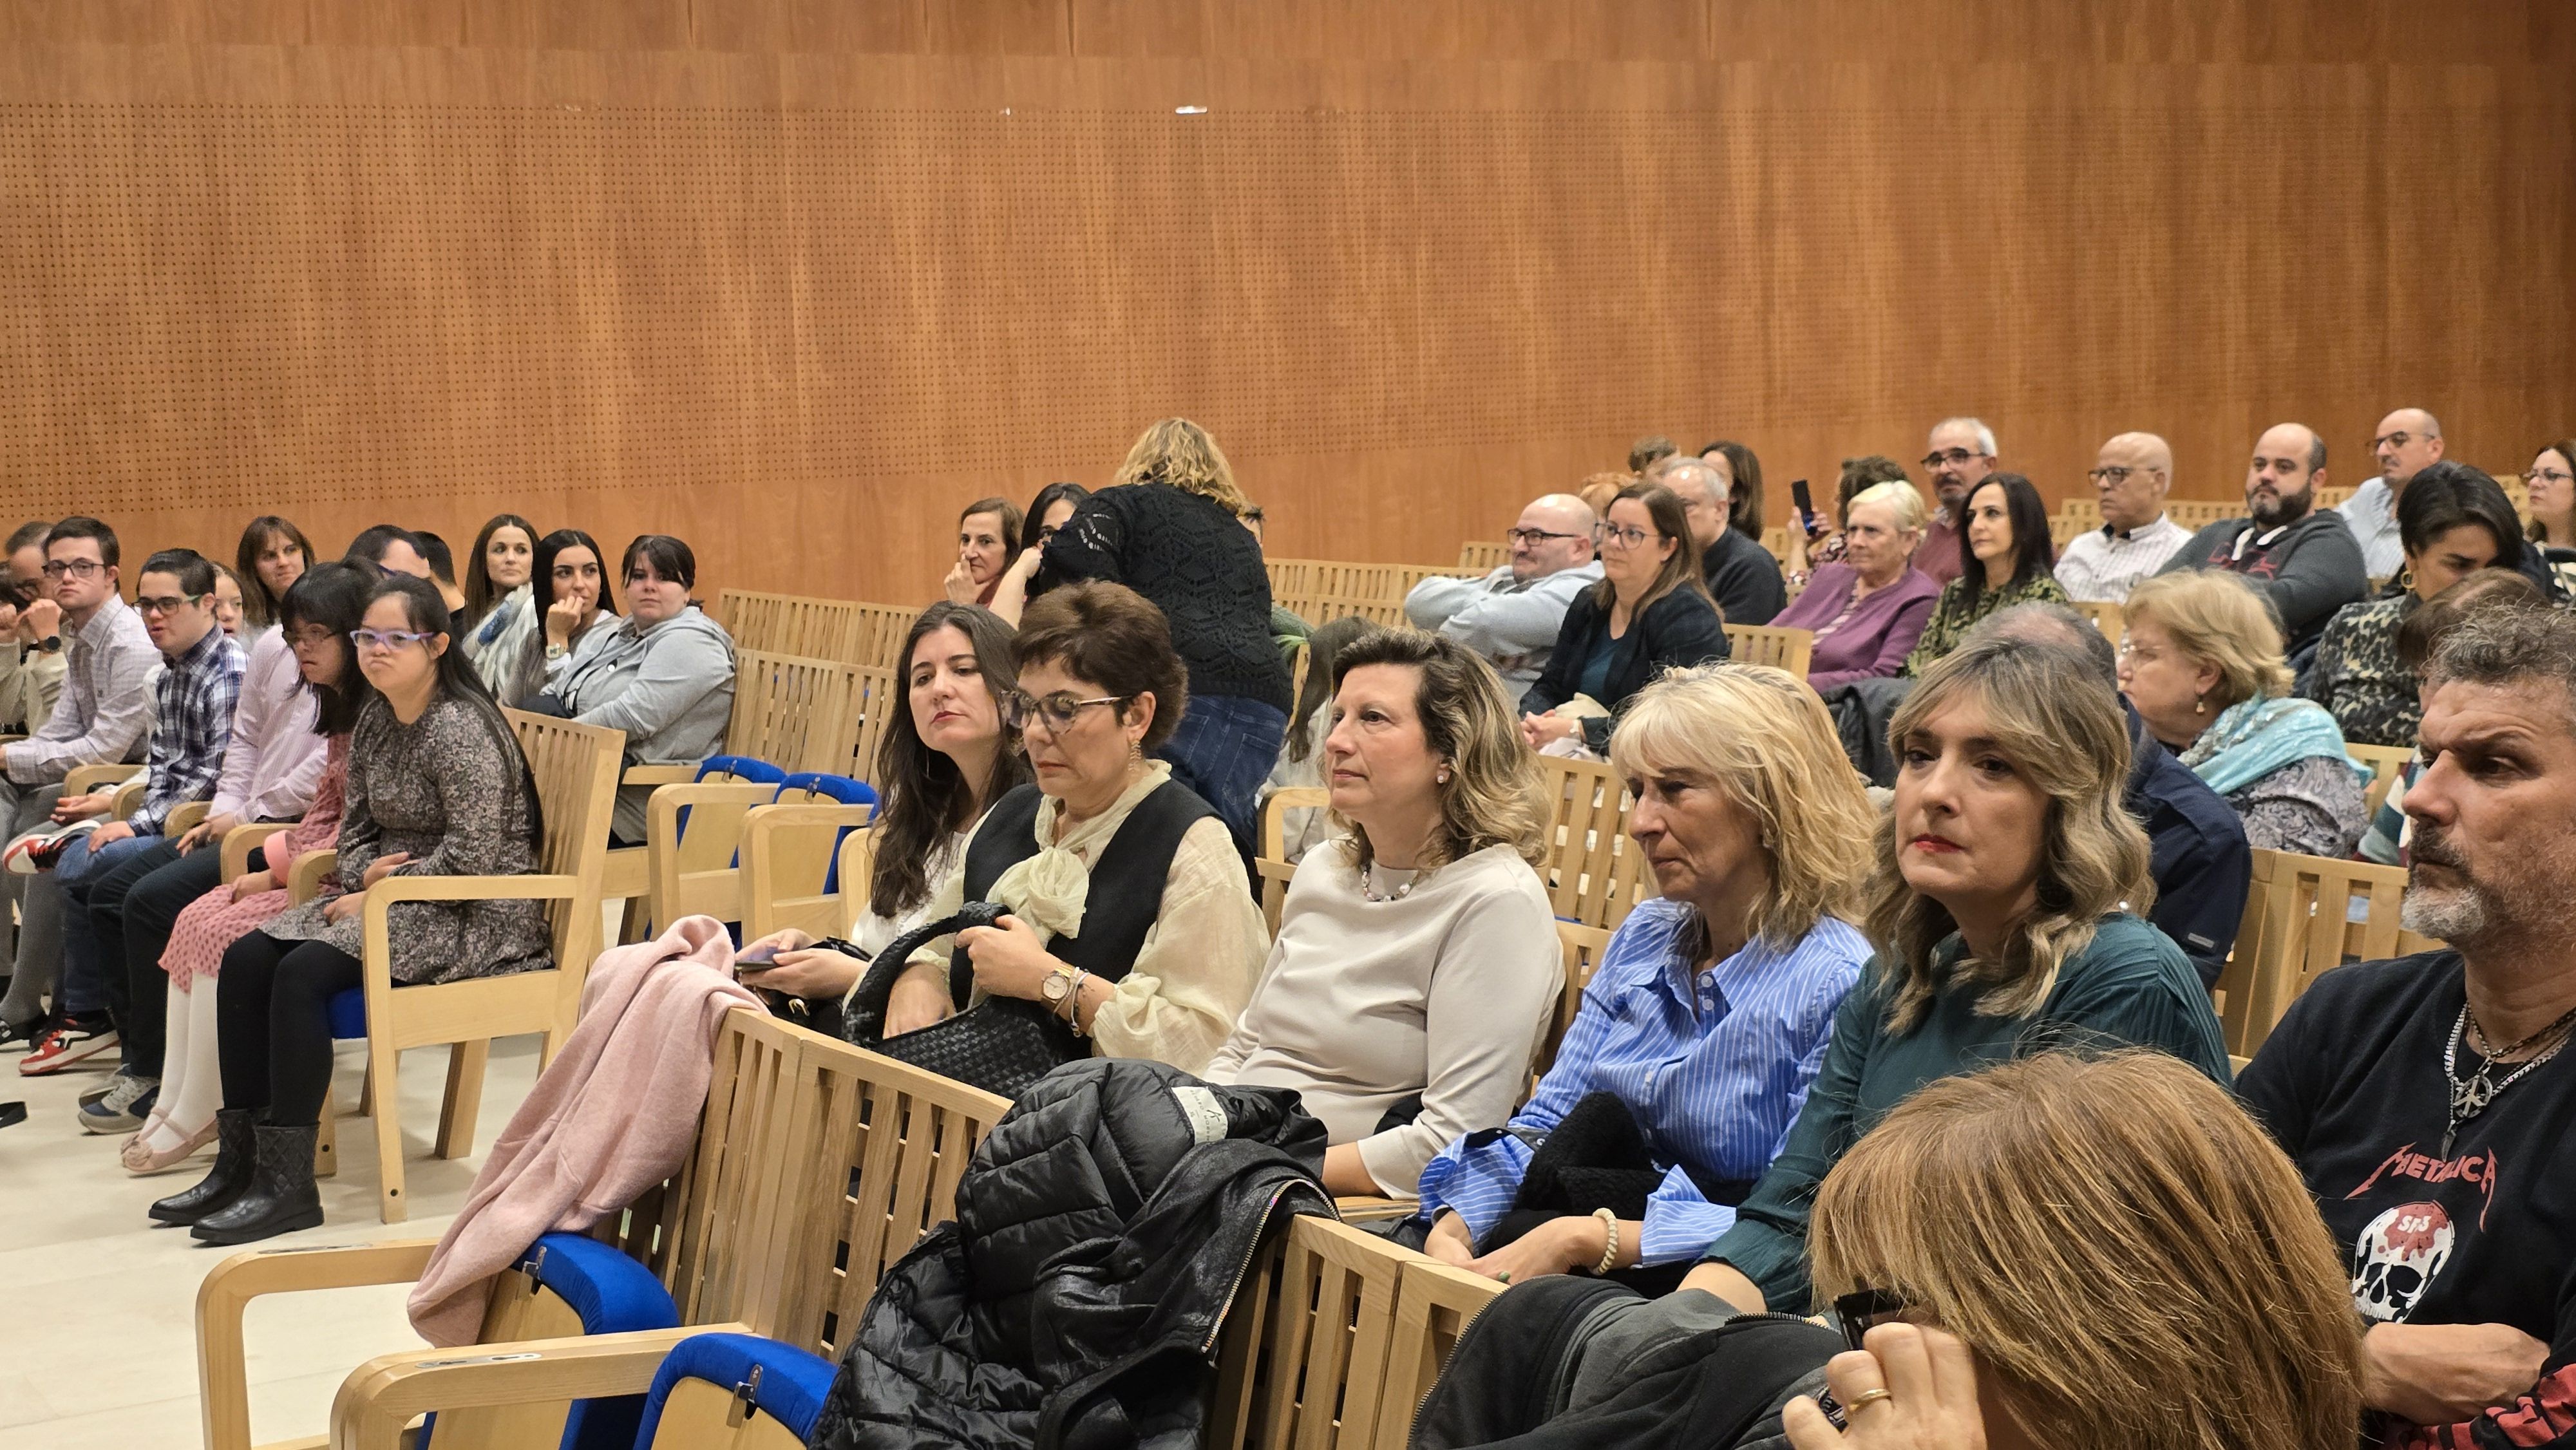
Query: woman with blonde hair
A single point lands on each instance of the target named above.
(1170, 528)
(2003, 909)
(2201, 660)
(1702, 1026)
(2102, 1254)
(1416, 961)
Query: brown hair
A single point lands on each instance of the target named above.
(2535, 531)
(1866, 471)
(2134, 1261)
(1006, 514)
(1114, 637)
(1681, 571)
(1494, 796)
(1650, 450)
(1597, 489)
(2051, 716)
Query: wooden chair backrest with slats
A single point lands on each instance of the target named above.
(881, 632)
(878, 697)
(1303, 1356)
(1594, 873)
(789, 624)
(2305, 916)
(1785, 646)
(2199, 513)
(2333, 497)
(1434, 1303)
(1481, 556)
(793, 711)
(2385, 762)
(2108, 618)
(1583, 947)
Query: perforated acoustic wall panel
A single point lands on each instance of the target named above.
(790, 282)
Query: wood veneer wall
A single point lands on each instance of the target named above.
(795, 279)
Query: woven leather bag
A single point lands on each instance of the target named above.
(1001, 1044)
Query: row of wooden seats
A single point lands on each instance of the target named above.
(2305, 916)
(817, 1165)
(849, 631)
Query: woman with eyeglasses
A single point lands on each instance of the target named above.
(1867, 611)
(1649, 613)
(436, 787)
(272, 555)
(2004, 914)
(1170, 527)
(2201, 661)
(2004, 557)
(664, 676)
(1048, 513)
(943, 759)
(499, 618)
(1131, 918)
(2549, 501)
(177, 921)
(2068, 1251)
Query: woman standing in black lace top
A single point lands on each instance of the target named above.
(1174, 533)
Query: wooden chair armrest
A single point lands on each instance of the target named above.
(222, 1382)
(129, 799)
(1367, 1209)
(1274, 834)
(381, 1397)
(381, 897)
(243, 839)
(662, 810)
(765, 819)
(86, 778)
(183, 818)
(305, 877)
(658, 775)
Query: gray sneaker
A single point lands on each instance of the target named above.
(129, 1100)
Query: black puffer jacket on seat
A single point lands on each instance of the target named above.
(1102, 1230)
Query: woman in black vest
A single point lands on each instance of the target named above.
(1130, 917)
(1650, 613)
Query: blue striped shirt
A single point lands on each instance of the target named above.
(1715, 1064)
(192, 728)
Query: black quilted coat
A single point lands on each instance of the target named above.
(1102, 1231)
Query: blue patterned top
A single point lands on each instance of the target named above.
(1715, 1064)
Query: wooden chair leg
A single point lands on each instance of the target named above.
(465, 1064)
(326, 1143)
(367, 1089)
(383, 1076)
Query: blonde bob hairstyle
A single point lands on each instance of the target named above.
(1897, 494)
(1761, 737)
(1179, 452)
(2049, 714)
(1494, 796)
(2135, 1263)
(2217, 619)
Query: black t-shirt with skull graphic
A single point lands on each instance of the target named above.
(2352, 1085)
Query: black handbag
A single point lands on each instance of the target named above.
(1001, 1044)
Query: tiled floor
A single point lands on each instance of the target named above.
(99, 1347)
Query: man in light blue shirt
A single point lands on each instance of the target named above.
(2409, 441)
(1512, 615)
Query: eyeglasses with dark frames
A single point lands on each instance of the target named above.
(1020, 709)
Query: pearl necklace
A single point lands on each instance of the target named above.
(1368, 886)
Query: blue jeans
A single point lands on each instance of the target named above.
(84, 981)
(1224, 748)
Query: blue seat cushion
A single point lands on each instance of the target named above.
(790, 1390)
(612, 1294)
(349, 1014)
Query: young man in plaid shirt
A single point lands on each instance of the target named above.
(193, 724)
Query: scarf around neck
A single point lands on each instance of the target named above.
(2253, 738)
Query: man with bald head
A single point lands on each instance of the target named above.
(2131, 475)
(1962, 453)
(1741, 575)
(2409, 441)
(2306, 561)
(1512, 615)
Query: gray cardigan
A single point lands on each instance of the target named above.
(1508, 622)
(670, 688)
(2311, 570)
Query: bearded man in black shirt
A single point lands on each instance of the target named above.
(2429, 1102)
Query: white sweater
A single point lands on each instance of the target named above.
(1445, 992)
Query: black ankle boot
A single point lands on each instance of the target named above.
(281, 1197)
(234, 1155)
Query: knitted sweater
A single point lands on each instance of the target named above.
(1198, 564)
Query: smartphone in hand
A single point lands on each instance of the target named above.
(762, 955)
(1806, 506)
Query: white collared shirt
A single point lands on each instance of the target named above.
(2101, 566)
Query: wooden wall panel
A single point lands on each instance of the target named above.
(795, 278)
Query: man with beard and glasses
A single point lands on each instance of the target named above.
(2426, 1101)
(1961, 453)
(2305, 560)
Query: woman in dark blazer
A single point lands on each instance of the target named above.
(1650, 612)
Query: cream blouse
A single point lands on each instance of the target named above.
(1195, 971)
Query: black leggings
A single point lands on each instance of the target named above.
(273, 1024)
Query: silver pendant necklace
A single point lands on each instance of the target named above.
(2471, 1096)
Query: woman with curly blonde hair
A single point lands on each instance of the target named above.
(1701, 1028)
(2082, 1253)
(2004, 910)
(1416, 960)
(1171, 528)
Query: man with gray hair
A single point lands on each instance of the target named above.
(2131, 475)
(1962, 453)
(2201, 862)
(2426, 1100)
(1512, 615)
(1741, 574)
(2408, 442)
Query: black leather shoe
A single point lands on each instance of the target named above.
(235, 1153)
(281, 1197)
